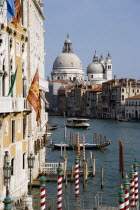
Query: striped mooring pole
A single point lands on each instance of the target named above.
(126, 190)
(135, 165)
(84, 154)
(76, 176)
(132, 189)
(7, 203)
(78, 144)
(121, 198)
(59, 188)
(42, 193)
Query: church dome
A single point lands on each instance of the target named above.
(67, 60)
(95, 68)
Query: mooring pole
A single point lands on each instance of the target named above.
(121, 198)
(126, 190)
(76, 176)
(135, 165)
(42, 193)
(59, 188)
(132, 189)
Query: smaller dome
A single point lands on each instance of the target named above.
(95, 68)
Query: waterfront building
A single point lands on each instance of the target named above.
(132, 107)
(114, 94)
(14, 108)
(52, 95)
(36, 53)
(67, 66)
(21, 53)
(94, 101)
(99, 71)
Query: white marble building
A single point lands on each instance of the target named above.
(67, 66)
(99, 71)
(35, 58)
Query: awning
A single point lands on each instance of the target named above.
(44, 99)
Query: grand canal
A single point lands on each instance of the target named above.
(109, 160)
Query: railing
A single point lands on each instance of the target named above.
(10, 104)
(51, 168)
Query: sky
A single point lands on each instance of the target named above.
(102, 25)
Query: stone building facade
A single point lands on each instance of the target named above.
(20, 49)
(132, 108)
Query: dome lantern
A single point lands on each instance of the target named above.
(67, 46)
(95, 57)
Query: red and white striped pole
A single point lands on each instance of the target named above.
(59, 188)
(126, 191)
(135, 165)
(84, 154)
(132, 189)
(121, 198)
(78, 144)
(76, 176)
(43, 193)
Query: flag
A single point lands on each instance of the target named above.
(34, 97)
(18, 12)
(12, 82)
(10, 9)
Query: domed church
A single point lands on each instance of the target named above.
(67, 65)
(99, 71)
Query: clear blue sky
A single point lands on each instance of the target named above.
(102, 25)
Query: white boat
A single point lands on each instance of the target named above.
(77, 123)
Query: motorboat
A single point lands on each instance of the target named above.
(77, 123)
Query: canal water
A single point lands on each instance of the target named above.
(128, 132)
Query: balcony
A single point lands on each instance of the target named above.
(10, 104)
(43, 85)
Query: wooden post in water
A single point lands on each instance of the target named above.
(66, 180)
(72, 172)
(61, 151)
(93, 165)
(64, 151)
(65, 132)
(65, 167)
(102, 177)
(84, 174)
(78, 145)
(121, 160)
(84, 154)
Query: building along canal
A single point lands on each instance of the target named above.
(128, 132)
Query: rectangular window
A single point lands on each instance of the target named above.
(19, 125)
(6, 128)
(122, 97)
(24, 127)
(12, 166)
(13, 131)
(18, 48)
(122, 90)
(23, 161)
